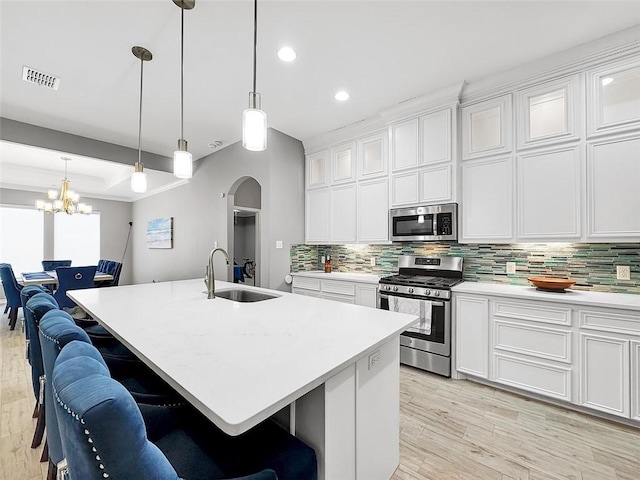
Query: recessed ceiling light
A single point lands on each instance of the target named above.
(606, 81)
(342, 96)
(287, 54)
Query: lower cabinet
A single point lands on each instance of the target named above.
(635, 380)
(472, 336)
(364, 294)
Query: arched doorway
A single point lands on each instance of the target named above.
(244, 202)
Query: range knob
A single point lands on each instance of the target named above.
(436, 293)
(410, 290)
(387, 287)
(395, 289)
(427, 292)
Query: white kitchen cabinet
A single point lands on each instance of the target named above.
(333, 287)
(635, 380)
(613, 98)
(317, 169)
(435, 136)
(613, 186)
(549, 113)
(549, 194)
(373, 156)
(366, 295)
(404, 188)
(404, 145)
(487, 200)
(343, 163)
(436, 184)
(343, 214)
(486, 128)
(472, 336)
(317, 215)
(373, 211)
(604, 373)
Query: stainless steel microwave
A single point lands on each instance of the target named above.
(424, 224)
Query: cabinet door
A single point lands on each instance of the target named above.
(487, 201)
(613, 98)
(404, 145)
(373, 211)
(549, 195)
(604, 374)
(613, 186)
(549, 113)
(317, 167)
(436, 184)
(367, 295)
(635, 380)
(435, 130)
(404, 189)
(343, 214)
(472, 336)
(343, 163)
(486, 128)
(317, 215)
(373, 156)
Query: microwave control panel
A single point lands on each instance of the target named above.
(445, 223)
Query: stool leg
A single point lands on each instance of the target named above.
(38, 434)
(52, 471)
(35, 411)
(13, 317)
(45, 453)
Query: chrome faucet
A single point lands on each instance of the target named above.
(210, 279)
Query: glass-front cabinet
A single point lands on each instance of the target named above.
(343, 163)
(317, 169)
(486, 128)
(614, 98)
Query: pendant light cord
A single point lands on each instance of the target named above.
(255, 41)
(140, 114)
(182, 76)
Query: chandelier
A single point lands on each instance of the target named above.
(66, 201)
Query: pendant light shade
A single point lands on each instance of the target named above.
(182, 159)
(139, 177)
(254, 120)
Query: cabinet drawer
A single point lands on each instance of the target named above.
(339, 298)
(534, 312)
(536, 341)
(307, 283)
(535, 377)
(306, 293)
(342, 288)
(610, 322)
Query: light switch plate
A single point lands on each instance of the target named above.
(372, 261)
(623, 272)
(511, 267)
(278, 243)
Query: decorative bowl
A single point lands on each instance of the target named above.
(552, 283)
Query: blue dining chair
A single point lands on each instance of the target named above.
(73, 278)
(110, 267)
(103, 434)
(51, 265)
(11, 293)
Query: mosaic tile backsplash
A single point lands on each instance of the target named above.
(592, 265)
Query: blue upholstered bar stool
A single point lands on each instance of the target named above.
(11, 293)
(103, 433)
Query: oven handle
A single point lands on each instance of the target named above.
(387, 295)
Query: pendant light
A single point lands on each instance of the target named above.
(182, 159)
(139, 178)
(254, 120)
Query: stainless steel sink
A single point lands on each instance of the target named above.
(242, 295)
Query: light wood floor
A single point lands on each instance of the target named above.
(449, 430)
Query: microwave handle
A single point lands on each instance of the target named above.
(435, 224)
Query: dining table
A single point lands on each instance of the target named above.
(50, 278)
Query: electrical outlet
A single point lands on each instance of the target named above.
(374, 359)
(372, 261)
(623, 272)
(278, 243)
(322, 259)
(511, 267)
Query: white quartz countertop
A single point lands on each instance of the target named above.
(344, 276)
(581, 297)
(239, 363)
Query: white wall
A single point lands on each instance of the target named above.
(201, 214)
(114, 226)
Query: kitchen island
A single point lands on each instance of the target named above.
(334, 366)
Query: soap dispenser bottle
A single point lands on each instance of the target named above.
(327, 264)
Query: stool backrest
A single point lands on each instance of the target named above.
(73, 278)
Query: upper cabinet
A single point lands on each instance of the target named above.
(404, 145)
(343, 163)
(486, 128)
(317, 169)
(435, 135)
(549, 113)
(613, 98)
(373, 156)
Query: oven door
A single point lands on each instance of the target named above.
(432, 335)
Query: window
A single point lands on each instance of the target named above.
(22, 238)
(77, 238)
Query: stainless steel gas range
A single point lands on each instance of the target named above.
(423, 288)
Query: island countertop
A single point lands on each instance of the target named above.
(239, 363)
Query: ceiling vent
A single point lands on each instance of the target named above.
(37, 77)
